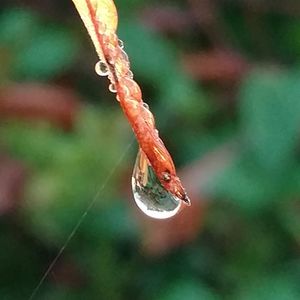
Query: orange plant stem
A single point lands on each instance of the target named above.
(100, 18)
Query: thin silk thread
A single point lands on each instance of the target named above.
(79, 222)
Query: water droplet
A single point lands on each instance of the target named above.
(112, 88)
(121, 44)
(129, 74)
(145, 105)
(101, 68)
(133, 87)
(125, 56)
(149, 195)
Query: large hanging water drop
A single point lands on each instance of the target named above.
(150, 196)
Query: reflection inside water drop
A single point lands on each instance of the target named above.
(149, 195)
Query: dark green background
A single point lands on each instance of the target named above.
(248, 245)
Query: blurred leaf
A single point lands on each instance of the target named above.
(12, 181)
(20, 266)
(246, 184)
(128, 8)
(248, 247)
(114, 221)
(290, 38)
(270, 115)
(160, 237)
(39, 102)
(272, 288)
(223, 67)
(17, 26)
(155, 60)
(187, 289)
(289, 212)
(68, 169)
(50, 51)
(167, 19)
(38, 51)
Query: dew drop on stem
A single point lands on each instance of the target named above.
(112, 88)
(145, 105)
(121, 44)
(129, 74)
(101, 68)
(125, 56)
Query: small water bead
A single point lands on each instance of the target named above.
(150, 196)
(134, 89)
(112, 88)
(129, 74)
(125, 56)
(101, 68)
(147, 115)
(121, 44)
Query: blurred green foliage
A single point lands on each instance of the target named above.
(39, 50)
(249, 244)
